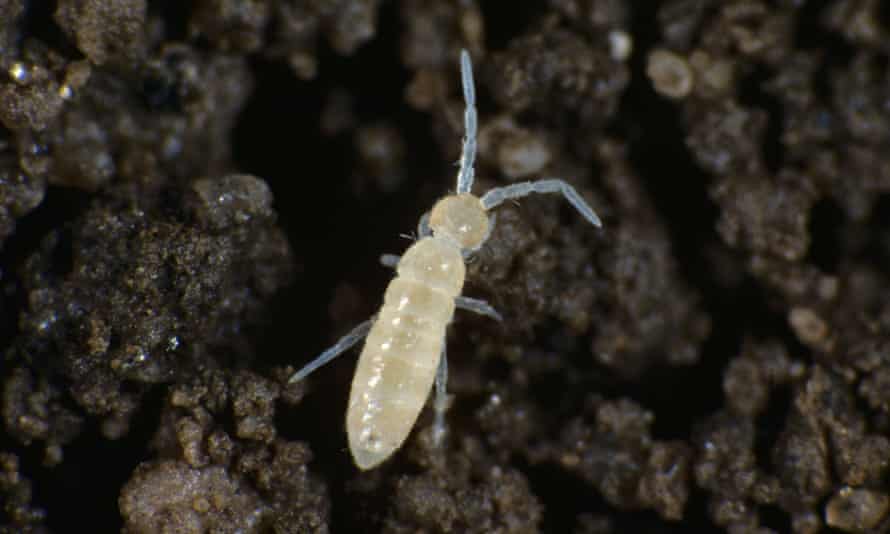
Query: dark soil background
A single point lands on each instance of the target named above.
(194, 197)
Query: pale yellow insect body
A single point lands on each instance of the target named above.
(404, 344)
(398, 365)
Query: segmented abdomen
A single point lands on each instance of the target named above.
(397, 366)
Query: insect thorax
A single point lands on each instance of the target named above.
(435, 262)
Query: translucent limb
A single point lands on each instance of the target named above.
(498, 195)
(441, 401)
(345, 343)
(468, 152)
(423, 226)
(478, 306)
(390, 260)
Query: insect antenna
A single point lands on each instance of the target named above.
(468, 152)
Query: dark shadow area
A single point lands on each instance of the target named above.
(60, 206)
(89, 480)
(826, 223)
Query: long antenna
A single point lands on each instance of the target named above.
(468, 152)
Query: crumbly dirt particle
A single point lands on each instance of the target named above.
(715, 356)
(170, 496)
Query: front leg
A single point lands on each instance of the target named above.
(390, 260)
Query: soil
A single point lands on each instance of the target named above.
(194, 197)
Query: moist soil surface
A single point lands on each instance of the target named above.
(194, 197)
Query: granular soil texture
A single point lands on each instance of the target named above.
(194, 195)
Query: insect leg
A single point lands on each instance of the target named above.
(423, 226)
(478, 306)
(468, 152)
(345, 343)
(518, 190)
(423, 230)
(440, 403)
(390, 260)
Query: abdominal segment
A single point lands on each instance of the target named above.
(396, 369)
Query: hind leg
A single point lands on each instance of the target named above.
(441, 402)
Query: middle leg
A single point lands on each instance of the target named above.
(345, 343)
(478, 306)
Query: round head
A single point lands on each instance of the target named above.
(461, 218)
